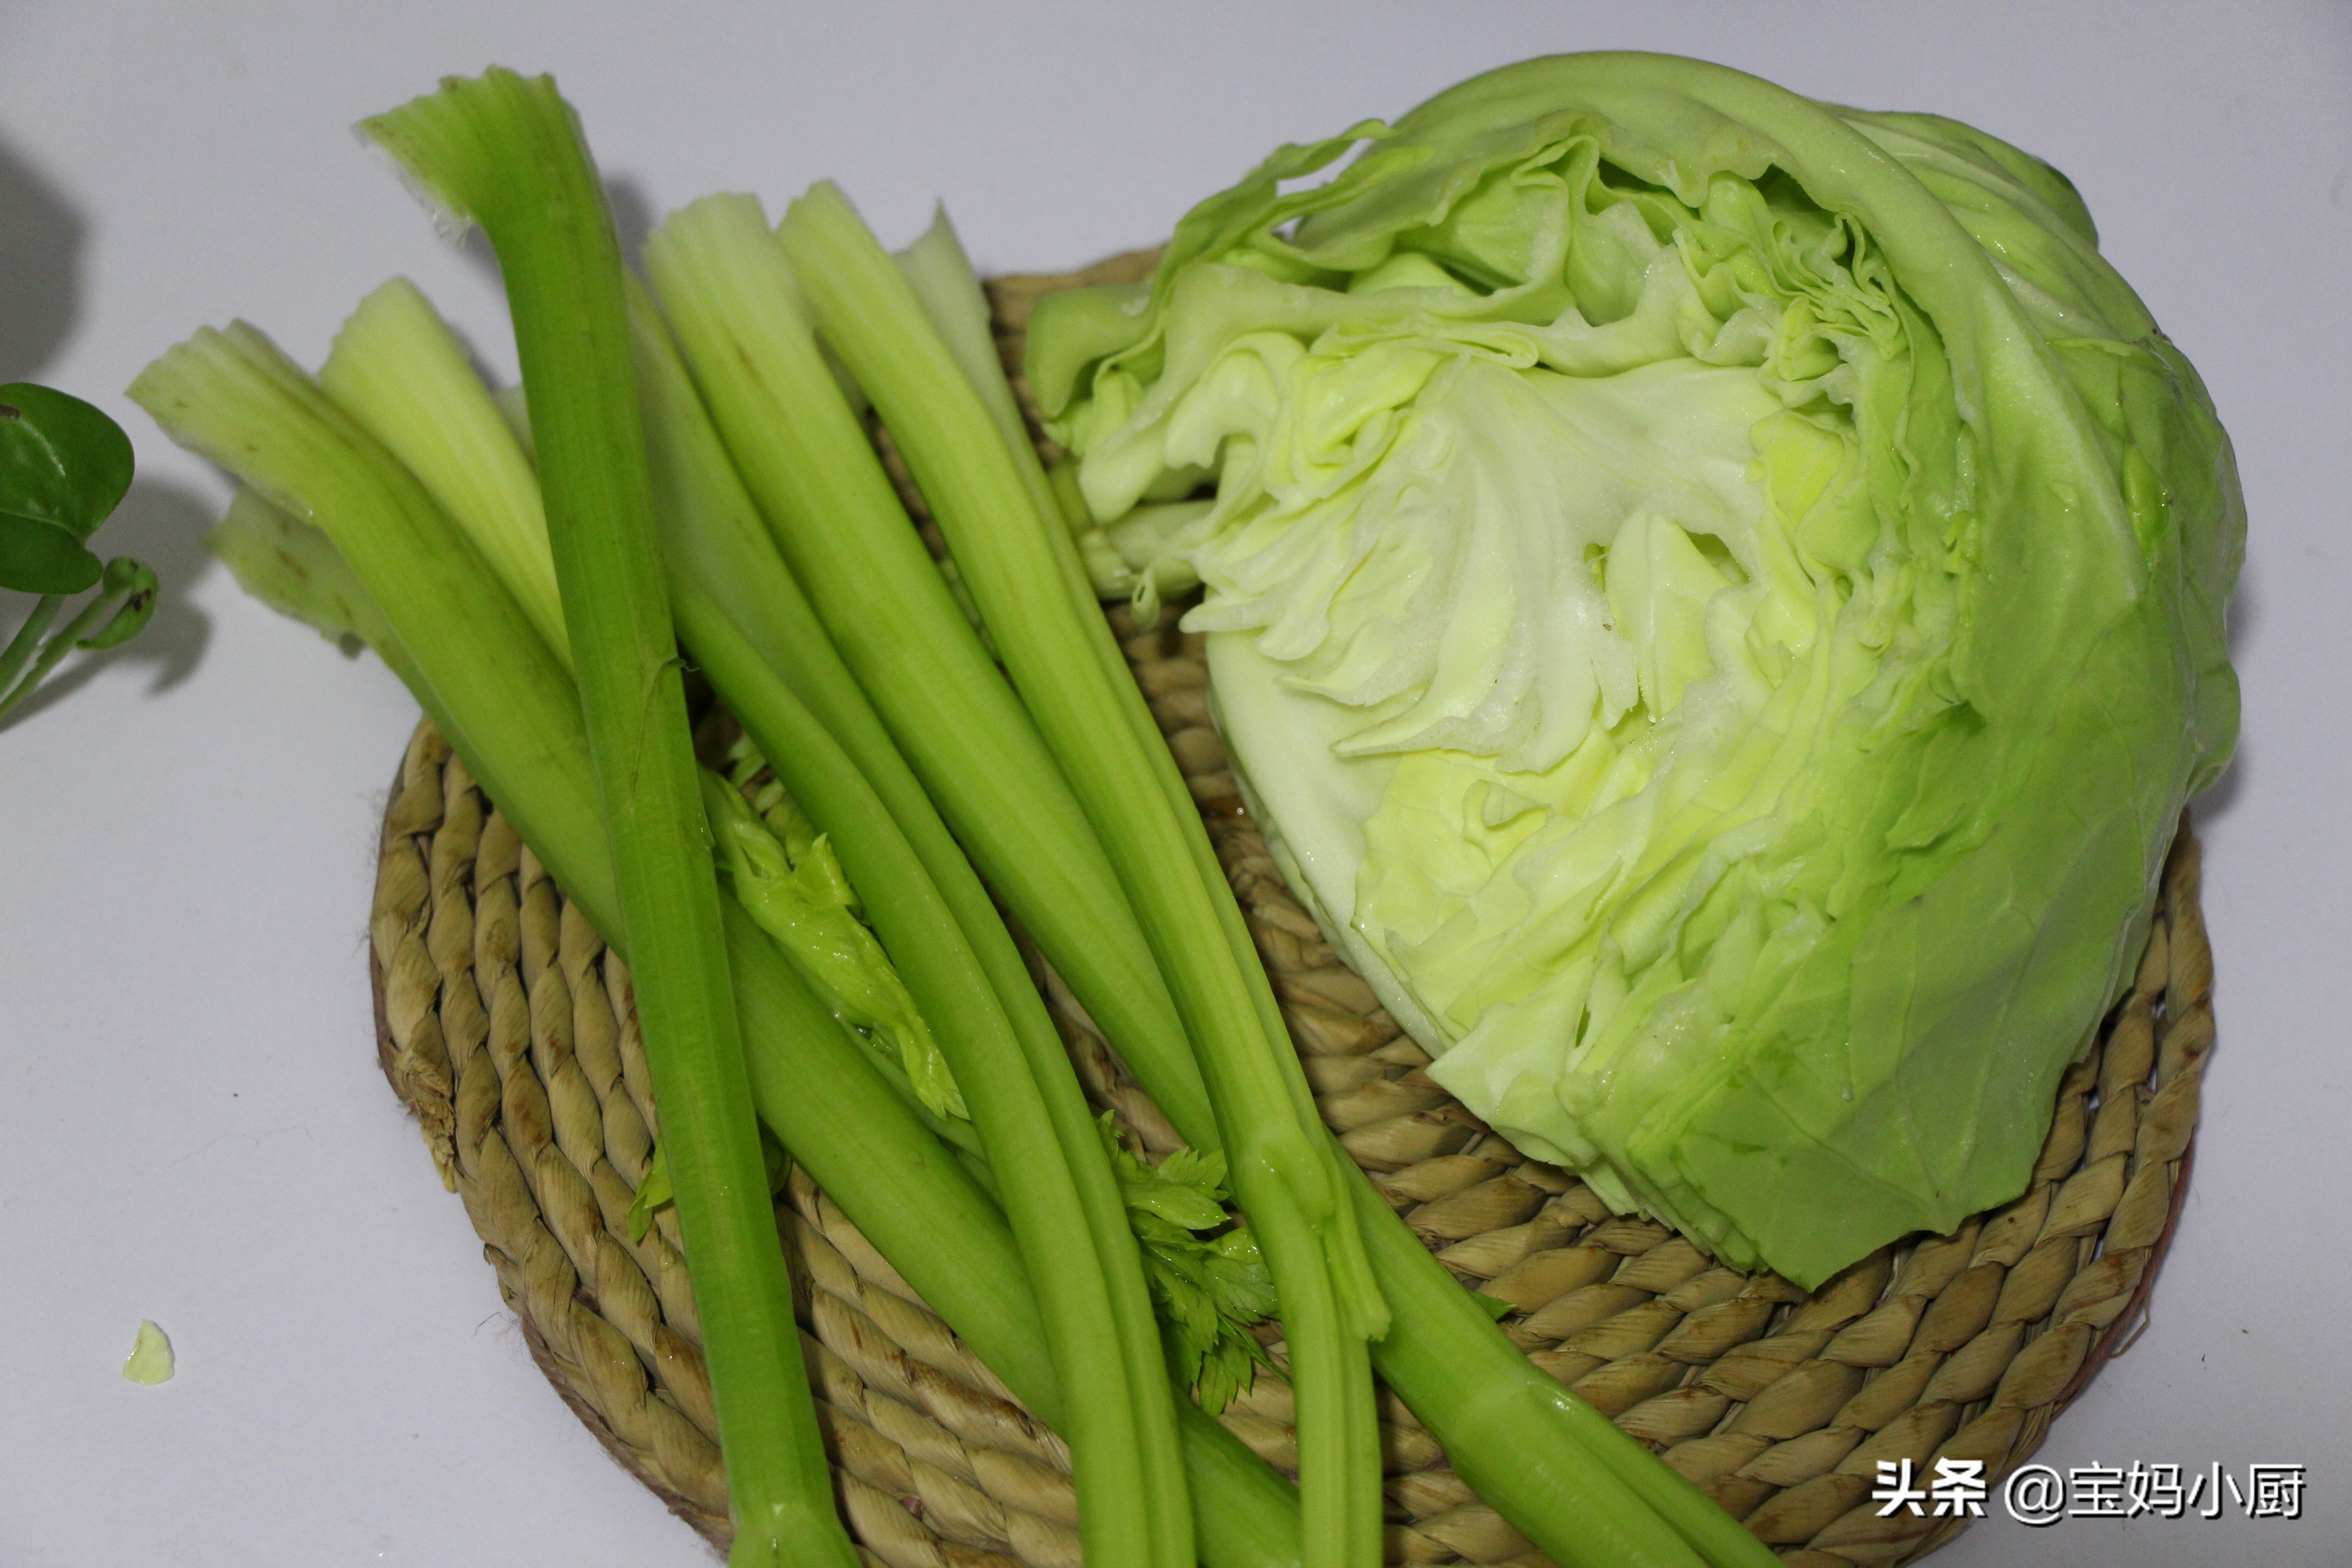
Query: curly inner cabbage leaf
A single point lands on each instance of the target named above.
(1716, 600)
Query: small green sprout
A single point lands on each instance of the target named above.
(64, 467)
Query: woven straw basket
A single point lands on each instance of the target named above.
(507, 1028)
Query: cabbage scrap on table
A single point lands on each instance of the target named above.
(1716, 600)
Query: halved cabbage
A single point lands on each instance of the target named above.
(1717, 599)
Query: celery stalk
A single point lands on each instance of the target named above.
(804, 459)
(1280, 1157)
(1556, 1468)
(927, 704)
(944, 285)
(715, 545)
(1064, 1202)
(719, 552)
(941, 274)
(725, 575)
(450, 429)
(1082, 1255)
(505, 153)
(400, 371)
(923, 1213)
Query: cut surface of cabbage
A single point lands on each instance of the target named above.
(1716, 603)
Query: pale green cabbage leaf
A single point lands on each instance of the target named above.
(1716, 600)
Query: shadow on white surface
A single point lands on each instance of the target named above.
(41, 244)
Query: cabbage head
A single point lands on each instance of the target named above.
(1716, 600)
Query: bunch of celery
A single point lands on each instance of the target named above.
(691, 464)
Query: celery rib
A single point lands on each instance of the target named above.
(1279, 1162)
(1064, 1203)
(1588, 1494)
(806, 462)
(714, 541)
(505, 153)
(799, 450)
(449, 427)
(231, 395)
(924, 1214)
(400, 371)
(940, 927)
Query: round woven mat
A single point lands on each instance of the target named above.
(507, 1028)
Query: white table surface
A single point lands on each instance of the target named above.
(192, 1126)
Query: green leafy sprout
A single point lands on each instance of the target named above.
(1204, 1266)
(64, 468)
(785, 874)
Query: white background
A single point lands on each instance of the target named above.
(192, 1126)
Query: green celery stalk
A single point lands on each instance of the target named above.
(726, 577)
(712, 538)
(679, 249)
(944, 284)
(1281, 1160)
(292, 566)
(939, 272)
(804, 459)
(1560, 1471)
(717, 549)
(1063, 1201)
(505, 153)
(402, 574)
(400, 371)
(1125, 1443)
(714, 541)
(921, 1210)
